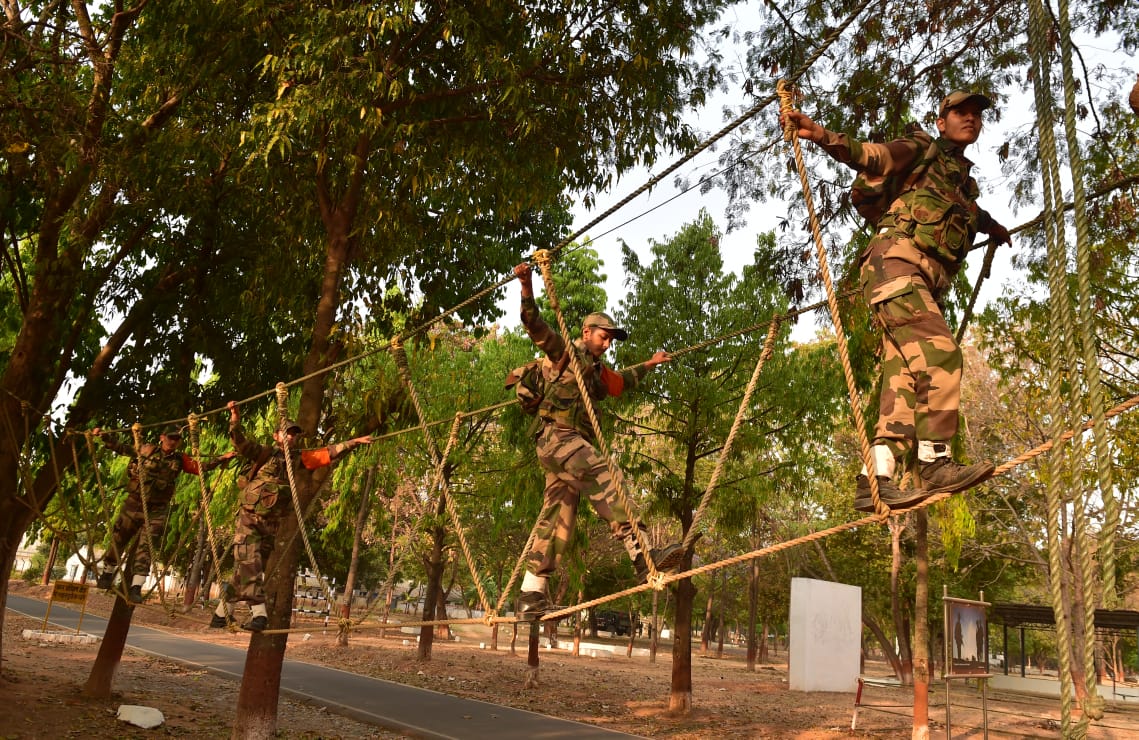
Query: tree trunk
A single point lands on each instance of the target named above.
(577, 627)
(634, 624)
(102, 676)
(256, 717)
(197, 568)
(887, 645)
(753, 645)
(709, 606)
(896, 604)
(443, 631)
(392, 562)
(434, 568)
(354, 559)
(514, 634)
(680, 690)
(1074, 603)
(921, 626)
(721, 625)
(654, 638)
(261, 682)
(551, 626)
(49, 566)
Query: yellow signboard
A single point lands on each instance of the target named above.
(69, 592)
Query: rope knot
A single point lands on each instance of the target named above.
(786, 96)
(1093, 707)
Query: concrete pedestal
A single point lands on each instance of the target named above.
(826, 635)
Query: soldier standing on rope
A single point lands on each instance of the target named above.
(566, 451)
(152, 472)
(264, 499)
(919, 244)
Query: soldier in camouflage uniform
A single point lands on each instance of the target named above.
(159, 465)
(919, 244)
(264, 499)
(565, 445)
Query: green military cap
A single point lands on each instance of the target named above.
(173, 431)
(960, 97)
(602, 321)
(289, 425)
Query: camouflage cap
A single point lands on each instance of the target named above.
(960, 97)
(172, 430)
(289, 425)
(602, 321)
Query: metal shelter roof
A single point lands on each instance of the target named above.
(1108, 621)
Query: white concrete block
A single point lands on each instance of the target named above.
(826, 635)
(139, 716)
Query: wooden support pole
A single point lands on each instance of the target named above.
(532, 655)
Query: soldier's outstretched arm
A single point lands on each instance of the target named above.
(246, 448)
(525, 275)
(548, 340)
(112, 442)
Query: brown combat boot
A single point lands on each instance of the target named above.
(665, 559)
(532, 604)
(891, 495)
(942, 475)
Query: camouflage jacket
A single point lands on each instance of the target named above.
(268, 476)
(938, 216)
(562, 402)
(159, 470)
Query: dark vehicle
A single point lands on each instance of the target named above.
(616, 622)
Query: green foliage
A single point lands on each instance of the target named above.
(577, 279)
(683, 298)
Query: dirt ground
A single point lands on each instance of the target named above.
(40, 687)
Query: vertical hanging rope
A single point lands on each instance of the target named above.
(518, 566)
(283, 415)
(87, 526)
(453, 512)
(104, 499)
(1087, 323)
(143, 495)
(785, 106)
(1061, 350)
(90, 520)
(745, 402)
(399, 354)
(543, 258)
(196, 451)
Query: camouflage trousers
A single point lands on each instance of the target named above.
(921, 361)
(253, 539)
(574, 468)
(130, 522)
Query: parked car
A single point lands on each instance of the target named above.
(612, 621)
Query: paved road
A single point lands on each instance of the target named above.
(388, 704)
